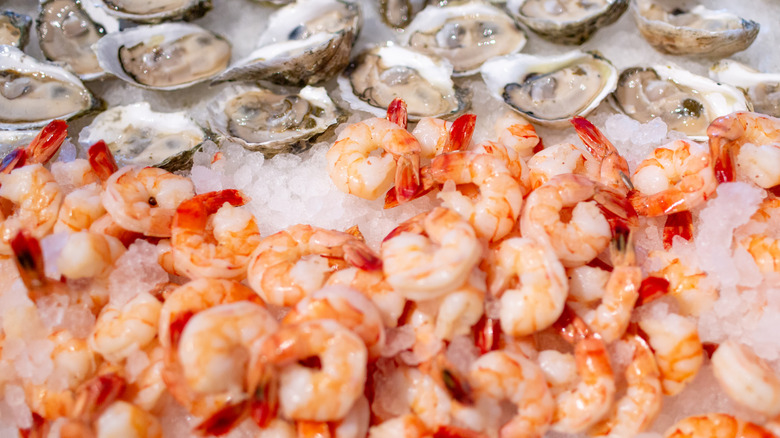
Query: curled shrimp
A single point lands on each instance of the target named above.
(716, 426)
(746, 378)
(557, 160)
(438, 136)
(694, 292)
(354, 170)
(430, 254)
(515, 132)
(748, 143)
(677, 348)
(144, 199)
(677, 176)
(531, 284)
(511, 159)
(210, 237)
(80, 209)
(122, 418)
(613, 168)
(408, 425)
(293, 263)
(373, 285)
(89, 255)
(121, 330)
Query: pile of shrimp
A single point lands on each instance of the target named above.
(491, 315)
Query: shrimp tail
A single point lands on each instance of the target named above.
(461, 131)
(487, 334)
(678, 224)
(101, 160)
(622, 247)
(721, 132)
(651, 289)
(176, 327)
(29, 260)
(98, 393)
(264, 405)
(396, 112)
(412, 225)
(426, 185)
(193, 213)
(38, 429)
(46, 144)
(592, 137)
(224, 420)
(407, 177)
(617, 208)
(571, 327)
(16, 158)
(449, 431)
(359, 255)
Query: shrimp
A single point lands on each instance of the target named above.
(694, 292)
(748, 143)
(354, 170)
(408, 426)
(144, 199)
(89, 255)
(92, 399)
(613, 168)
(511, 159)
(80, 209)
(677, 348)
(530, 283)
(219, 247)
(636, 410)
(507, 376)
(373, 285)
(716, 426)
(557, 160)
(430, 255)
(126, 419)
(438, 136)
(147, 389)
(677, 176)
(293, 263)
(763, 238)
(581, 238)
(40, 150)
(516, 133)
(746, 378)
(121, 330)
(458, 311)
(323, 393)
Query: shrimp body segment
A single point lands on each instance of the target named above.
(746, 378)
(746, 143)
(678, 350)
(716, 426)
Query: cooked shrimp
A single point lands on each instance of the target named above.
(430, 255)
(36, 199)
(747, 378)
(508, 376)
(71, 175)
(89, 255)
(458, 311)
(408, 426)
(516, 133)
(210, 237)
(438, 136)
(677, 176)
(530, 283)
(148, 388)
(511, 159)
(613, 168)
(559, 159)
(373, 285)
(678, 350)
(581, 238)
(695, 293)
(716, 426)
(354, 168)
(637, 409)
(92, 398)
(121, 330)
(748, 144)
(123, 419)
(295, 262)
(40, 150)
(144, 199)
(80, 209)
(324, 393)
(763, 240)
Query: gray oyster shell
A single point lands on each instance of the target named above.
(14, 29)
(568, 31)
(150, 12)
(761, 89)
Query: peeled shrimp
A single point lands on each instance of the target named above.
(678, 350)
(123, 419)
(559, 159)
(80, 208)
(437, 136)
(89, 255)
(408, 426)
(716, 426)
(511, 159)
(373, 285)
(121, 330)
(746, 378)
(695, 293)
(515, 132)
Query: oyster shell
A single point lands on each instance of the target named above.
(698, 31)
(380, 74)
(155, 11)
(14, 29)
(306, 43)
(762, 89)
(136, 135)
(272, 119)
(550, 90)
(566, 21)
(465, 34)
(399, 13)
(684, 101)
(33, 93)
(167, 56)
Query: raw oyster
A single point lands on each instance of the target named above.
(272, 119)
(762, 89)
(164, 57)
(14, 29)
(306, 43)
(399, 13)
(137, 135)
(684, 101)
(382, 73)
(155, 11)
(465, 34)
(33, 93)
(566, 21)
(698, 31)
(550, 90)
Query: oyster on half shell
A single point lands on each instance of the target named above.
(550, 90)
(399, 13)
(566, 21)
(14, 29)
(671, 28)
(155, 11)
(761, 89)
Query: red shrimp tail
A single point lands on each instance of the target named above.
(98, 393)
(46, 144)
(461, 131)
(487, 334)
(38, 429)
(678, 224)
(193, 213)
(571, 327)
(224, 420)
(319, 429)
(725, 170)
(28, 257)
(651, 289)
(396, 112)
(264, 405)
(15, 159)
(594, 140)
(359, 255)
(101, 160)
(176, 327)
(617, 208)
(449, 431)
(426, 185)
(213, 201)
(407, 178)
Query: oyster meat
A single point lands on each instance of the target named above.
(164, 57)
(155, 11)
(272, 119)
(550, 90)
(33, 93)
(381, 74)
(465, 34)
(684, 101)
(306, 42)
(566, 21)
(762, 89)
(14, 29)
(399, 13)
(672, 29)
(139, 136)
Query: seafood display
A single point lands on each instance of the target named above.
(335, 218)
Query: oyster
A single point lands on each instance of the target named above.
(306, 43)
(155, 11)
(137, 135)
(684, 101)
(550, 90)
(33, 93)
(163, 57)
(566, 21)
(466, 34)
(272, 119)
(399, 13)
(14, 29)
(698, 31)
(762, 89)
(382, 73)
